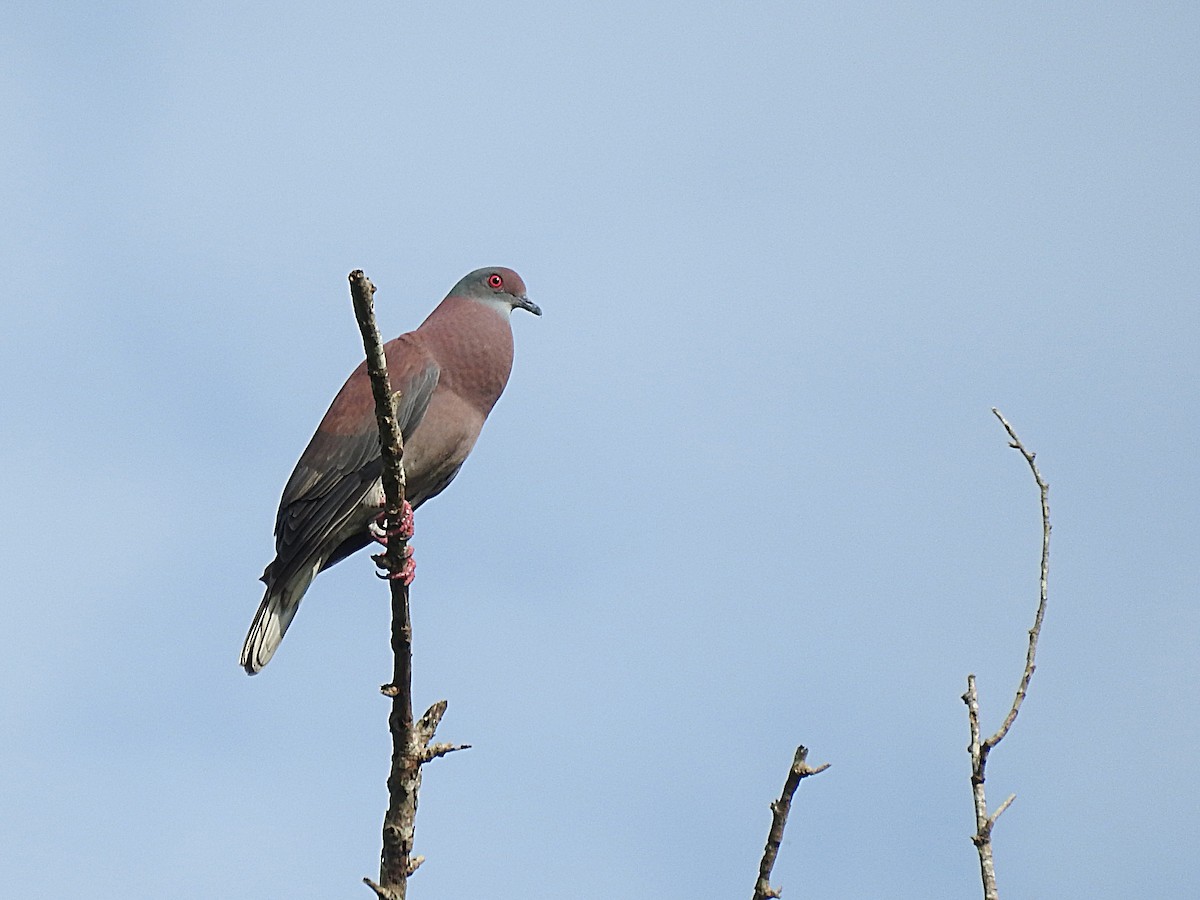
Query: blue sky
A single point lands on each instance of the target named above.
(744, 490)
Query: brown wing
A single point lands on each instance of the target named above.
(342, 461)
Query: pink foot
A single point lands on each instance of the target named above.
(402, 530)
(408, 568)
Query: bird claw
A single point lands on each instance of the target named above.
(406, 573)
(402, 530)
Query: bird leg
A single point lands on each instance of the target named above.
(403, 529)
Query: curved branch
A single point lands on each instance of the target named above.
(981, 747)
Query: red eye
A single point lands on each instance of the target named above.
(495, 282)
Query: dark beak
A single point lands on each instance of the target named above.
(525, 303)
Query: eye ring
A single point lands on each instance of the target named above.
(495, 282)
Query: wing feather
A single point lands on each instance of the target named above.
(341, 464)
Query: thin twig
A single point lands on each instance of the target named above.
(409, 739)
(1036, 630)
(980, 747)
(779, 814)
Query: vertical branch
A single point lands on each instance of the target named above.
(779, 814)
(980, 748)
(404, 779)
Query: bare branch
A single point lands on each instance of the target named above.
(410, 741)
(779, 814)
(980, 748)
(1001, 808)
(1036, 630)
(435, 751)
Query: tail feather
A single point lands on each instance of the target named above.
(271, 622)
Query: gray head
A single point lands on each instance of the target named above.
(496, 286)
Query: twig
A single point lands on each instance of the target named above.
(410, 741)
(779, 814)
(980, 747)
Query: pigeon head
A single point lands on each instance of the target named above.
(497, 287)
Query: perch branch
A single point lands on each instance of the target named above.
(981, 747)
(779, 814)
(410, 741)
